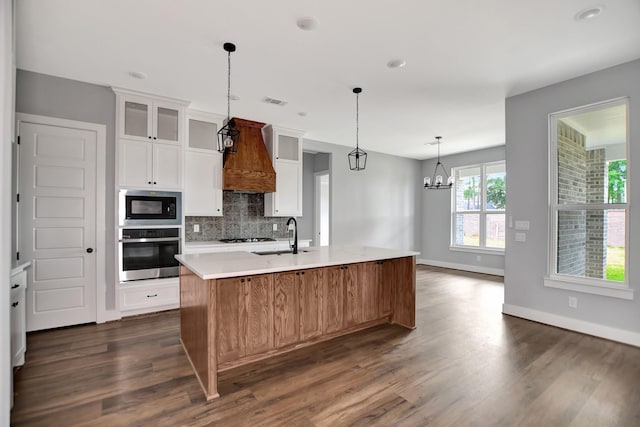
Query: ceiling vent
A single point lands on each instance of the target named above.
(274, 101)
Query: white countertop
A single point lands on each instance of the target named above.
(20, 267)
(233, 264)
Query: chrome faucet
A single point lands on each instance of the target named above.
(294, 246)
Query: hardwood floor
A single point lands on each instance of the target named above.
(466, 364)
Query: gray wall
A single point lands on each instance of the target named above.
(436, 218)
(527, 181)
(379, 206)
(73, 100)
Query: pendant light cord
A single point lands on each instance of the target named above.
(357, 120)
(228, 85)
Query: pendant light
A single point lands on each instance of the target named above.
(437, 182)
(357, 157)
(228, 134)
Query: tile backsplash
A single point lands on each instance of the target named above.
(243, 217)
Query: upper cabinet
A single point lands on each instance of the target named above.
(203, 165)
(150, 136)
(285, 148)
(149, 119)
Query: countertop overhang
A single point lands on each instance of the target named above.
(221, 265)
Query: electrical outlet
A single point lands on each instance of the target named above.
(275, 227)
(521, 237)
(196, 228)
(573, 302)
(522, 225)
(478, 258)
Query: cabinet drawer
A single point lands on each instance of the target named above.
(142, 297)
(19, 280)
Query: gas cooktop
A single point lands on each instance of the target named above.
(248, 240)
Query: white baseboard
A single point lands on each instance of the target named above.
(582, 326)
(464, 267)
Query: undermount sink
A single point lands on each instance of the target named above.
(280, 252)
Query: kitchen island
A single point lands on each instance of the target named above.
(240, 307)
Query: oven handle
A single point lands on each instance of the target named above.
(155, 239)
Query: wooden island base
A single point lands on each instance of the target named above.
(229, 322)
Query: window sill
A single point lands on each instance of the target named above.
(477, 250)
(613, 291)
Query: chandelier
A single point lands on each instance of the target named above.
(436, 182)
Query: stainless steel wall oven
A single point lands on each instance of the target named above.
(148, 253)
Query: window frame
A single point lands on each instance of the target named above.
(565, 281)
(482, 212)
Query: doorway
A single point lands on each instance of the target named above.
(321, 230)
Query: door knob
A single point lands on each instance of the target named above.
(89, 250)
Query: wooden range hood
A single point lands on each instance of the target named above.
(250, 168)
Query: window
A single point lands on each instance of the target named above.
(588, 199)
(478, 200)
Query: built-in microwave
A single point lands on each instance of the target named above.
(141, 207)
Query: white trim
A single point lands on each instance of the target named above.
(131, 92)
(102, 314)
(478, 250)
(582, 326)
(612, 291)
(464, 267)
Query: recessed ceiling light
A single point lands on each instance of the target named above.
(589, 13)
(307, 24)
(234, 98)
(137, 75)
(396, 63)
(302, 114)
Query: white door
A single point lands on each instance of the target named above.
(57, 223)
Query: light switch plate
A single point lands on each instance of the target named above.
(275, 227)
(196, 228)
(521, 237)
(522, 225)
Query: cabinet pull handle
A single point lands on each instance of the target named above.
(149, 136)
(241, 280)
(152, 296)
(248, 280)
(15, 304)
(14, 286)
(154, 182)
(155, 137)
(297, 273)
(149, 182)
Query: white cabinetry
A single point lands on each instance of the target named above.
(18, 318)
(147, 296)
(149, 165)
(203, 166)
(285, 148)
(150, 131)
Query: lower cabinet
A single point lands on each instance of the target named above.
(256, 314)
(297, 306)
(146, 296)
(244, 316)
(18, 318)
(311, 287)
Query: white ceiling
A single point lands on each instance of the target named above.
(463, 58)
